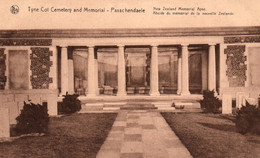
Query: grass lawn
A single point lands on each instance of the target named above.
(209, 135)
(77, 135)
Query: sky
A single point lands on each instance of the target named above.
(243, 13)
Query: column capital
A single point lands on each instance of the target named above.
(184, 45)
(120, 45)
(212, 44)
(64, 46)
(90, 46)
(154, 45)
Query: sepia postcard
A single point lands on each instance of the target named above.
(129, 78)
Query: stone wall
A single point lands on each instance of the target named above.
(242, 39)
(40, 67)
(14, 100)
(2, 69)
(236, 67)
(25, 42)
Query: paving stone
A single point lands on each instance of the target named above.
(118, 128)
(142, 135)
(112, 144)
(133, 130)
(133, 117)
(108, 153)
(149, 126)
(132, 147)
(133, 137)
(115, 136)
(172, 143)
(132, 121)
(119, 123)
(134, 124)
(154, 149)
(178, 152)
(149, 135)
(121, 119)
(131, 155)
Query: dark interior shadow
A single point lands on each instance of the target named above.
(222, 127)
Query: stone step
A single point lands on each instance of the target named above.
(111, 108)
(137, 108)
(166, 108)
(187, 105)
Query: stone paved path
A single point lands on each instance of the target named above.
(142, 134)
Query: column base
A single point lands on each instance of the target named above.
(62, 94)
(121, 94)
(178, 92)
(91, 95)
(154, 94)
(185, 93)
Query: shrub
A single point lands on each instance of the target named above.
(71, 103)
(34, 118)
(248, 119)
(210, 103)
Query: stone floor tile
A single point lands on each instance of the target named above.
(112, 144)
(107, 153)
(115, 136)
(178, 152)
(133, 117)
(133, 130)
(172, 143)
(118, 128)
(142, 134)
(149, 134)
(121, 119)
(132, 124)
(133, 138)
(119, 123)
(132, 121)
(131, 155)
(154, 149)
(148, 126)
(132, 147)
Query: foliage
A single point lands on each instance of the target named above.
(34, 118)
(210, 103)
(71, 103)
(248, 119)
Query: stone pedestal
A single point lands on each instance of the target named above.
(4, 123)
(227, 104)
(52, 105)
(251, 101)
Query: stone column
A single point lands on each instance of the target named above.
(204, 71)
(154, 76)
(64, 70)
(71, 76)
(91, 72)
(179, 73)
(96, 75)
(212, 68)
(121, 71)
(185, 70)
